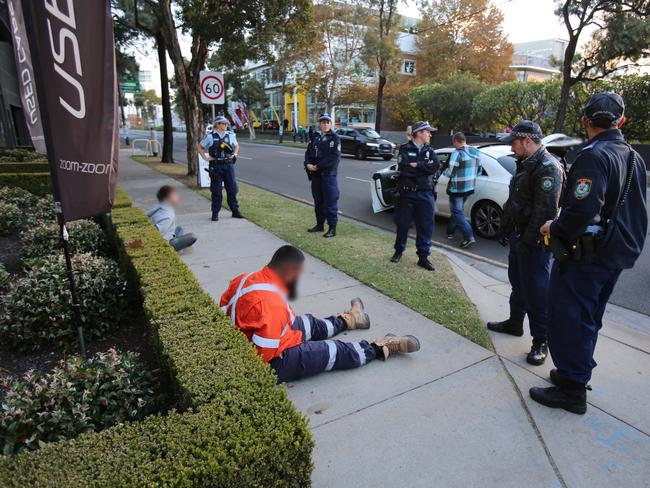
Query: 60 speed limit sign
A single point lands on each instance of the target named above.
(212, 87)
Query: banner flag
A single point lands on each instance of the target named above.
(73, 57)
(25, 75)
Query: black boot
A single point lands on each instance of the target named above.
(538, 352)
(215, 216)
(236, 214)
(571, 397)
(511, 326)
(331, 231)
(316, 228)
(396, 257)
(556, 378)
(423, 262)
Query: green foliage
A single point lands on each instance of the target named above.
(448, 104)
(11, 218)
(146, 101)
(242, 430)
(79, 395)
(37, 311)
(30, 167)
(20, 209)
(503, 105)
(20, 155)
(42, 239)
(4, 279)
(37, 183)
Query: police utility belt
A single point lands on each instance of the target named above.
(584, 249)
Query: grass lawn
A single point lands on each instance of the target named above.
(361, 253)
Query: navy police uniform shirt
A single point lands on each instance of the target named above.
(324, 150)
(212, 142)
(417, 178)
(594, 187)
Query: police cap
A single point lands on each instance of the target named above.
(525, 128)
(420, 126)
(327, 117)
(221, 120)
(605, 105)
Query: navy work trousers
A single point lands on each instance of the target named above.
(325, 190)
(529, 271)
(223, 173)
(421, 207)
(317, 353)
(578, 296)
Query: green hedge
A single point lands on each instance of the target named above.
(240, 429)
(34, 167)
(36, 183)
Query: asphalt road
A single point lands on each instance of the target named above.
(280, 169)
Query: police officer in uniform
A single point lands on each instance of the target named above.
(321, 163)
(533, 199)
(222, 149)
(418, 165)
(600, 231)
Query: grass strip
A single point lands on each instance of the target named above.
(359, 252)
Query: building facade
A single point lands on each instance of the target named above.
(538, 60)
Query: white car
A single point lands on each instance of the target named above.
(484, 207)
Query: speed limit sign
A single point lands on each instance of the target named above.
(212, 87)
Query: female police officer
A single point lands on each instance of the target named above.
(321, 163)
(417, 165)
(603, 226)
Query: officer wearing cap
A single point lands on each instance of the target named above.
(602, 227)
(533, 199)
(222, 149)
(321, 163)
(418, 165)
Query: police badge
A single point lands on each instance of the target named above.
(582, 189)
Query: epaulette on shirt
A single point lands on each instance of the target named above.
(589, 146)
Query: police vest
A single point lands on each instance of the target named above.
(221, 148)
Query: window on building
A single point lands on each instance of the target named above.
(408, 67)
(144, 76)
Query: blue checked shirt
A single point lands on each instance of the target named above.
(464, 166)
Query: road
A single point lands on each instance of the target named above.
(280, 169)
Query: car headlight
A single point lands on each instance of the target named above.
(372, 144)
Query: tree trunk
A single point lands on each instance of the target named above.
(567, 66)
(380, 102)
(168, 135)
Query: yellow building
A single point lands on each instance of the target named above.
(300, 106)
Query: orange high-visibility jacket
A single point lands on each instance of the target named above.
(257, 304)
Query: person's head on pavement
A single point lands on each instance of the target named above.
(524, 139)
(288, 263)
(325, 122)
(421, 132)
(168, 195)
(603, 111)
(459, 140)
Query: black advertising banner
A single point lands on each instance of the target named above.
(73, 56)
(25, 75)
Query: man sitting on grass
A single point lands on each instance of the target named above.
(163, 216)
(296, 347)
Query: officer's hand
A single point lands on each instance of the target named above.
(413, 165)
(311, 167)
(546, 228)
(210, 158)
(233, 158)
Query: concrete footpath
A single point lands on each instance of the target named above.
(453, 414)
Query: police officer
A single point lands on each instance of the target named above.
(417, 166)
(222, 148)
(321, 163)
(533, 199)
(603, 225)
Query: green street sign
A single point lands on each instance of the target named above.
(130, 86)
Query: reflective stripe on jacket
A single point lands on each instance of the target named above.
(257, 304)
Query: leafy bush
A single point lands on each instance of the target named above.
(4, 280)
(241, 429)
(37, 308)
(79, 395)
(11, 218)
(35, 167)
(37, 183)
(21, 155)
(42, 239)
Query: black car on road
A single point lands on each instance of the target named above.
(364, 142)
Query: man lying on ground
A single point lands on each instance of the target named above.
(163, 216)
(296, 347)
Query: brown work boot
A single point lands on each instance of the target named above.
(355, 318)
(391, 344)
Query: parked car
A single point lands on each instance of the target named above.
(270, 124)
(363, 142)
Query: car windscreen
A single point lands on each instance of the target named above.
(369, 133)
(509, 163)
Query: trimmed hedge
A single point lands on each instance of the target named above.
(240, 430)
(35, 167)
(36, 183)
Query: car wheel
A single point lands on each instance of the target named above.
(486, 219)
(387, 157)
(360, 153)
